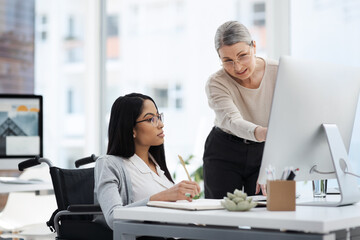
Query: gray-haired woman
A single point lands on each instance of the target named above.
(240, 94)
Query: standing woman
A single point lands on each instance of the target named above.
(240, 94)
(134, 170)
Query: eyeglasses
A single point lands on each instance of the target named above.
(154, 120)
(241, 59)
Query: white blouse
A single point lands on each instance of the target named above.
(145, 182)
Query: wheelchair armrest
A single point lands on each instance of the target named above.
(72, 213)
(84, 208)
(33, 162)
(86, 160)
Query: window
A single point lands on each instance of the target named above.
(112, 26)
(259, 14)
(70, 101)
(113, 40)
(161, 97)
(178, 97)
(169, 55)
(68, 81)
(74, 54)
(70, 30)
(170, 61)
(133, 11)
(42, 28)
(73, 44)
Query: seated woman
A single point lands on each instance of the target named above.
(134, 170)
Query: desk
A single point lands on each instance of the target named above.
(304, 223)
(10, 187)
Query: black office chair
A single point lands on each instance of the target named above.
(74, 193)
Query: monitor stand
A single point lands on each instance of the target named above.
(348, 186)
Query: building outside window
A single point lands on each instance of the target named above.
(259, 14)
(42, 28)
(113, 37)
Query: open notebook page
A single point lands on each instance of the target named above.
(198, 204)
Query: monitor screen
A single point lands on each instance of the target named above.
(308, 94)
(20, 127)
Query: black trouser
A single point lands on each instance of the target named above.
(230, 163)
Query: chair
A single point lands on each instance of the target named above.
(74, 193)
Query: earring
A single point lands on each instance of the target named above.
(134, 135)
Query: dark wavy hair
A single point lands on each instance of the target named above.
(124, 112)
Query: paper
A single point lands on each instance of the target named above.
(197, 204)
(258, 198)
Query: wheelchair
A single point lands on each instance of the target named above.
(74, 193)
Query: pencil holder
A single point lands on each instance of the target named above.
(281, 195)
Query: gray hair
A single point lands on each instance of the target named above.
(230, 33)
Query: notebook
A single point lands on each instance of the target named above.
(198, 204)
(259, 199)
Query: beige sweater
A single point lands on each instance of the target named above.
(240, 110)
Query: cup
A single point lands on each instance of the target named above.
(319, 188)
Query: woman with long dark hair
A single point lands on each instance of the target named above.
(134, 170)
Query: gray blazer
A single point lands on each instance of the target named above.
(112, 188)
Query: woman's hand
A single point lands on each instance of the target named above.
(262, 187)
(260, 133)
(185, 190)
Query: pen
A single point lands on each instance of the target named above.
(291, 176)
(183, 164)
(188, 175)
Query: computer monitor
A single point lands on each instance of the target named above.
(21, 129)
(307, 95)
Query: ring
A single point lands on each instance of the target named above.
(187, 194)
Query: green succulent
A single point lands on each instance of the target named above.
(238, 201)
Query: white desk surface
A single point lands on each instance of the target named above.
(10, 187)
(305, 218)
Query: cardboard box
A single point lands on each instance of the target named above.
(281, 195)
